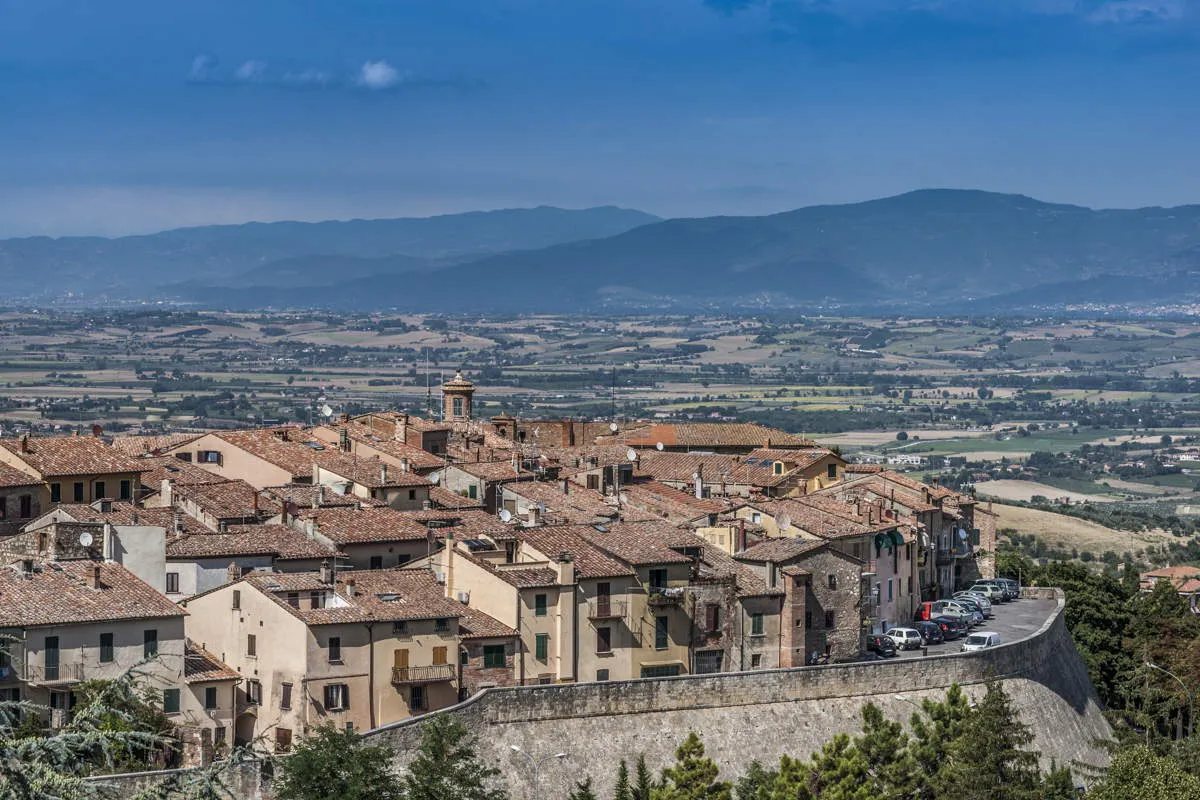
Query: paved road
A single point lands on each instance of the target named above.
(1013, 621)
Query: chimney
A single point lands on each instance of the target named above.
(95, 577)
(255, 493)
(740, 544)
(319, 496)
(167, 490)
(533, 512)
(404, 464)
(350, 587)
(232, 573)
(427, 504)
(699, 476)
(283, 512)
(25, 443)
(401, 429)
(565, 485)
(109, 543)
(565, 569)
(449, 562)
(344, 440)
(383, 476)
(222, 526)
(326, 572)
(177, 521)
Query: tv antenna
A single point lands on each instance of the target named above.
(505, 515)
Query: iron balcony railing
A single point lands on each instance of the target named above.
(433, 674)
(606, 609)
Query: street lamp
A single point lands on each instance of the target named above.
(1190, 693)
(912, 703)
(536, 765)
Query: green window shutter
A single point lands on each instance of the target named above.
(170, 701)
(542, 646)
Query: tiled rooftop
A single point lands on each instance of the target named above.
(62, 594)
(245, 540)
(55, 456)
(378, 595)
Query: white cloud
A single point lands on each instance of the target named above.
(307, 77)
(1133, 11)
(251, 71)
(202, 67)
(378, 75)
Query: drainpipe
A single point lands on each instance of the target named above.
(520, 646)
(371, 670)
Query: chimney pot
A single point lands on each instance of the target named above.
(383, 473)
(326, 572)
(96, 576)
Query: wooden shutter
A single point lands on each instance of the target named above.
(439, 656)
(712, 618)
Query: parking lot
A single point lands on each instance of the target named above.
(1013, 621)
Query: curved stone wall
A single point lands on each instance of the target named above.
(763, 715)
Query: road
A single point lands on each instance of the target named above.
(1013, 621)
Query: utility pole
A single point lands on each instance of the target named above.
(614, 392)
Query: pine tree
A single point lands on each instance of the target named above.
(933, 731)
(583, 791)
(793, 780)
(839, 771)
(623, 791)
(447, 766)
(883, 745)
(693, 776)
(989, 760)
(643, 786)
(756, 784)
(1058, 785)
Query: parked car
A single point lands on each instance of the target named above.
(980, 641)
(881, 645)
(977, 615)
(924, 611)
(985, 605)
(906, 638)
(1009, 588)
(950, 608)
(952, 627)
(931, 632)
(990, 590)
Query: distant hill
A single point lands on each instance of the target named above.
(234, 254)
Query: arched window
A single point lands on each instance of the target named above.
(457, 405)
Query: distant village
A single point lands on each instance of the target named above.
(376, 567)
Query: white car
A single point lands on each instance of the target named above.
(980, 641)
(905, 638)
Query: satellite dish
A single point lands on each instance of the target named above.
(631, 454)
(962, 534)
(784, 521)
(612, 426)
(541, 507)
(326, 411)
(695, 476)
(505, 515)
(85, 539)
(658, 446)
(435, 477)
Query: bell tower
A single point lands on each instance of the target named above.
(457, 396)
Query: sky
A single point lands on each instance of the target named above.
(132, 116)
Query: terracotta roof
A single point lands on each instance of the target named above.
(680, 467)
(304, 495)
(229, 500)
(245, 540)
(62, 594)
(712, 434)
(494, 471)
(669, 503)
(578, 505)
(475, 624)
(55, 456)
(417, 458)
(777, 550)
(863, 468)
(468, 523)
(1178, 571)
(122, 513)
(149, 444)
(181, 473)
(590, 560)
(458, 382)
(444, 498)
(11, 476)
(368, 472)
(201, 666)
(634, 542)
(379, 595)
(283, 447)
(355, 525)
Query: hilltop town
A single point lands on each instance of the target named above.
(373, 568)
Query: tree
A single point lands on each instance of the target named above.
(1140, 772)
(332, 764)
(447, 766)
(939, 724)
(883, 746)
(693, 776)
(623, 791)
(990, 759)
(643, 786)
(902, 436)
(756, 784)
(582, 791)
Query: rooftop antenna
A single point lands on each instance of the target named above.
(428, 388)
(614, 392)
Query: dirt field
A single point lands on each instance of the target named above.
(1025, 490)
(1067, 532)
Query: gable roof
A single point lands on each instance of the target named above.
(62, 594)
(354, 525)
(201, 666)
(712, 434)
(589, 559)
(64, 456)
(248, 540)
(379, 595)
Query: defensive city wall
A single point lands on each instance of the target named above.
(746, 716)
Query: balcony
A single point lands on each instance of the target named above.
(606, 609)
(944, 558)
(417, 675)
(61, 675)
(660, 596)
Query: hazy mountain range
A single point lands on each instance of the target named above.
(947, 250)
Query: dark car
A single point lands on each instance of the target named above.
(881, 645)
(931, 632)
(952, 627)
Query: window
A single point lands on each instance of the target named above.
(316, 599)
(830, 620)
(403, 559)
(56, 493)
(541, 646)
(77, 491)
(412, 494)
(439, 656)
(463, 657)
(539, 605)
(170, 701)
(604, 640)
(756, 518)
(494, 656)
(106, 648)
(98, 490)
(778, 468)
(661, 671)
(293, 599)
(756, 661)
(658, 578)
(335, 649)
(285, 696)
(473, 492)
(601, 674)
(50, 656)
(808, 619)
(208, 457)
(251, 645)
(708, 661)
(832, 581)
(831, 471)
(457, 406)
(172, 583)
(661, 637)
(210, 698)
(150, 643)
(757, 625)
(376, 562)
(283, 740)
(400, 628)
(126, 489)
(26, 506)
(441, 625)
(337, 697)
(510, 552)
(184, 457)
(237, 599)
(889, 590)
(253, 692)
(712, 618)
(3, 508)
(416, 699)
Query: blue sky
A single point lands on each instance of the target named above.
(136, 115)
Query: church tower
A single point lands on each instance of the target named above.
(457, 394)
